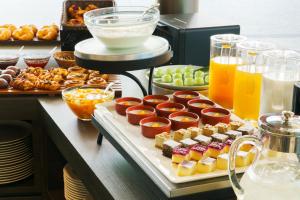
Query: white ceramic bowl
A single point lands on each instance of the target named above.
(121, 27)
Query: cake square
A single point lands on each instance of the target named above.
(181, 134)
(204, 140)
(222, 161)
(242, 159)
(215, 149)
(222, 127)
(233, 134)
(198, 152)
(188, 142)
(228, 145)
(161, 138)
(194, 131)
(186, 168)
(206, 165)
(246, 129)
(180, 154)
(208, 130)
(234, 125)
(246, 147)
(169, 146)
(217, 137)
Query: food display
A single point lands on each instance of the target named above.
(136, 113)
(197, 105)
(123, 103)
(184, 119)
(76, 12)
(36, 60)
(154, 100)
(64, 59)
(151, 126)
(83, 99)
(181, 77)
(28, 32)
(8, 60)
(184, 96)
(213, 116)
(165, 109)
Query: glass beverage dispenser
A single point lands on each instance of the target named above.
(248, 78)
(223, 63)
(275, 172)
(278, 82)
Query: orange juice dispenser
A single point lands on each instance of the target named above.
(248, 78)
(278, 82)
(223, 63)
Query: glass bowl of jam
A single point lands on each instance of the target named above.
(37, 60)
(8, 60)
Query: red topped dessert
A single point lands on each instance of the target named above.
(215, 149)
(198, 151)
(179, 154)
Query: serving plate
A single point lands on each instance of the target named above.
(158, 82)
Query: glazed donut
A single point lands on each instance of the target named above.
(73, 83)
(11, 27)
(76, 69)
(32, 27)
(5, 34)
(97, 81)
(47, 34)
(25, 34)
(77, 76)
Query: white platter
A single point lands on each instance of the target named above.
(106, 115)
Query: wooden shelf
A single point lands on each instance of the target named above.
(57, 194)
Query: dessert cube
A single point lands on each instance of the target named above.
(188, 142)
(169, 146)
(161, 138)
(234, 125)
(222, 161)
(222, 127)
(246, 147)
(206, 165)
(181, 134)
(186, 168)
(215, 149)
(198, 152)
(208, 130)
(242, 159)
(202, 139)
(246, 129)
(217, 137)
(228, 145)
(233, 134)
(179, 154)
(194, 131)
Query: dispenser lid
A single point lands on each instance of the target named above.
(285, 124)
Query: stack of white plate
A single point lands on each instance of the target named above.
(16, 159)
(74, 188)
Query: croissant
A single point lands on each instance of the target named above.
(22, 84)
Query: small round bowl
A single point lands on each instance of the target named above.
(8, 60)
(207, 116)
(82, 100)
(134, 118)
(197, 109)
(154, 100)
(122, 27)
(176, 125)
(151, 131)
(121, 104)
(37, 60)
(64, 59)
(160, 108)
(184, 96)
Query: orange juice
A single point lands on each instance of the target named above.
(247, 91)
(221, 80)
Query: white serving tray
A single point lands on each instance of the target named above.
(105, 113)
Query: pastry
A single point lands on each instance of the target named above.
(222, 127)
(198, 152)
(57, 78)
(90, 7)
(45, 76)
(242, 159)
(3, 83)
(77, 76)
(181, 134)
(15, 68)
(188, 142)
(76, 69)
(227, 145)
(76, 22)
(246, 129)
(10, 72)
(208, 130)
(222, 161)
(169, 146)
(97, 81)
(215, 149)
(161, 138)
(47, 33)
(47, 85)
(11, 27)
(194, 131)
(32, 27)
(180, 154)
(34, 70)
(206, 165)
(22, 84)
(60, 71)
(7, 77)
(73, 83)
(52, 26)
(234, 125)
(233, 134)
(204, 140)
(30, 77)
(5, 34)
(217, 137)
(104, 76)
(24, 33)
(186, 168)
